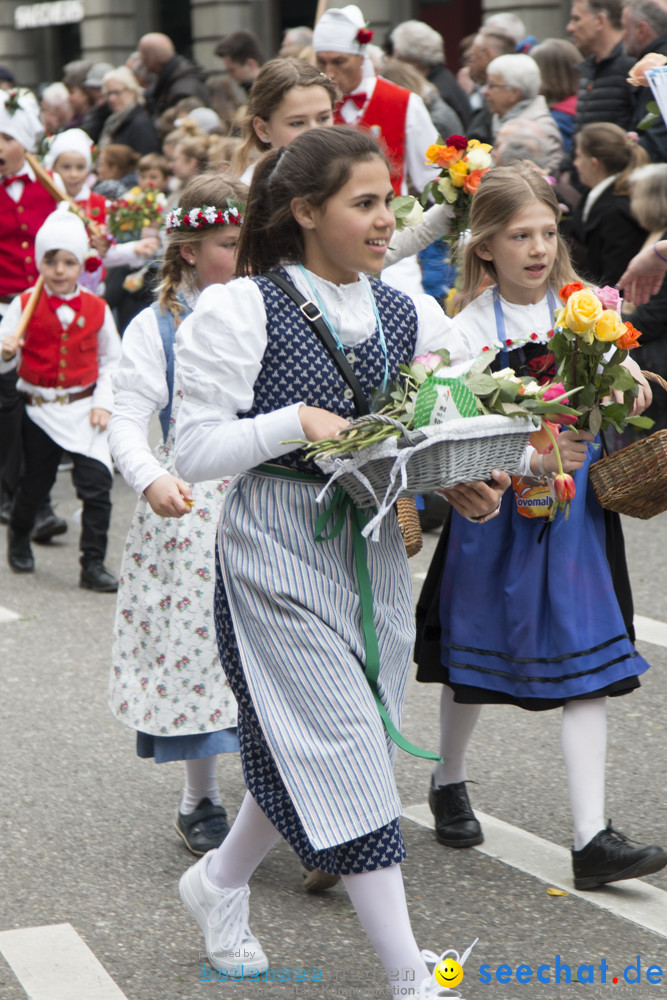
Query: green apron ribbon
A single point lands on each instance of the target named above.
(328, 525)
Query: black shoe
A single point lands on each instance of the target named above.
(19, 553)
(47, 524)
(455, 822)
(95, 576)
(608, 857)
(204, 829)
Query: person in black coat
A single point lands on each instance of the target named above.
(176, 76)
(129, 123)
(605, 233)
(644, 31)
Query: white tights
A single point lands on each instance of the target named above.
(200, 783)
(583, 741)
(377, 896)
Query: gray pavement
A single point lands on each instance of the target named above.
(86, 832)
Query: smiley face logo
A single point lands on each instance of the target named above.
(448, 973)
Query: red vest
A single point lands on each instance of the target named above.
(19, 223)
(94, 207)
(54, 357)
(385, 117)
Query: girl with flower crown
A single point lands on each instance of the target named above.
(525, 611)
(167, 682)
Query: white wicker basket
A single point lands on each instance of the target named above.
(431, 458)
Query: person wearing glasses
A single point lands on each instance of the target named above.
(129, 123)
(512, 92)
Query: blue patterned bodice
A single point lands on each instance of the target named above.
(296, 365)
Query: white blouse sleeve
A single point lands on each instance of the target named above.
(8, 325)
(108, 358)
(435, 329)
(408, 242)
(140, 390)
(219, 351)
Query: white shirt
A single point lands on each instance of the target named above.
(420, 132)
(219, 351)
(595, 193)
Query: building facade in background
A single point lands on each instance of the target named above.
(37, 39)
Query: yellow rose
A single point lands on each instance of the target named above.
(610, 326)
(582, 311)
(458, 173)
(447, 189)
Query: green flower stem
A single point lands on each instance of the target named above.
(555, 447)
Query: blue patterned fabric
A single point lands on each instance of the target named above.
(297, 366)
(380, 849)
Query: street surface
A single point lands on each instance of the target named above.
(89, 908)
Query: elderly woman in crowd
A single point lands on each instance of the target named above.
(129, 123)
(512, 92)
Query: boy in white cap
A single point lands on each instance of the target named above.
(24, 205)
(65, 361)
(391, 113)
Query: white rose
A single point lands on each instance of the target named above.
(414, 217)
(447, 189)
(478, 159)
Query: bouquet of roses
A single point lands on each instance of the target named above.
(464, 162)
(134, 212)
(585, 332)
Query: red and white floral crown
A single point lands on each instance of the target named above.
(207, 215)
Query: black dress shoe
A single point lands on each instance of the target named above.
(47, 525)
(204, 829)
(455, 822)
(19, 553)
(609, 857)
(95, 576)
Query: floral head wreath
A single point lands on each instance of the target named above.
(207, 215)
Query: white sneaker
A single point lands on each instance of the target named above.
(222, 915)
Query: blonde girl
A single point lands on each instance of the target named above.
(550, 622)
(607, 233)
(167, 682)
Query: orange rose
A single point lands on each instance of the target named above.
(471, 182)
(637, 73)
(567, 290)
(443, 156)
(629, 339)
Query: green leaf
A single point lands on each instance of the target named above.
(649, 119)
(644, 422)
(595, 420)
(481, 385)
(620, 377)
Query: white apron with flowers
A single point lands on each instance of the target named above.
(167, 679)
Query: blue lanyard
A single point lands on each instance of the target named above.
(503, 355)
(325, 317)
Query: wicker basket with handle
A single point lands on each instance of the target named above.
(633, 481)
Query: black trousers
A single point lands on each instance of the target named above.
(11, 415)
(91, 479)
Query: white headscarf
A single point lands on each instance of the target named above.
(62, 230)
(336, 31)
(72, 140)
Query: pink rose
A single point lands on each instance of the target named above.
(637, 73)
(553, 391)
(609, 297)
(429, 361)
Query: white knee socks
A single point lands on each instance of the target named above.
(251, 837)
(584, 742)
(200, 783)
(379, 900)
(456, 725)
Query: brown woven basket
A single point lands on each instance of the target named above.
(408, 521)
(633, 481)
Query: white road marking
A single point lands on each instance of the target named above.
(651, 630)
(7, 616)
(54, 963)
(633, 900)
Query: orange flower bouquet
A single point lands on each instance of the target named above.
(463, 163)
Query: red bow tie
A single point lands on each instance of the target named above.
(74, 303)
(19, 177)
(359, 99)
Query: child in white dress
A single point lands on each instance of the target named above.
(167, 681)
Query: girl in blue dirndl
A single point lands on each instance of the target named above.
(289, 616)
(522, 610)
